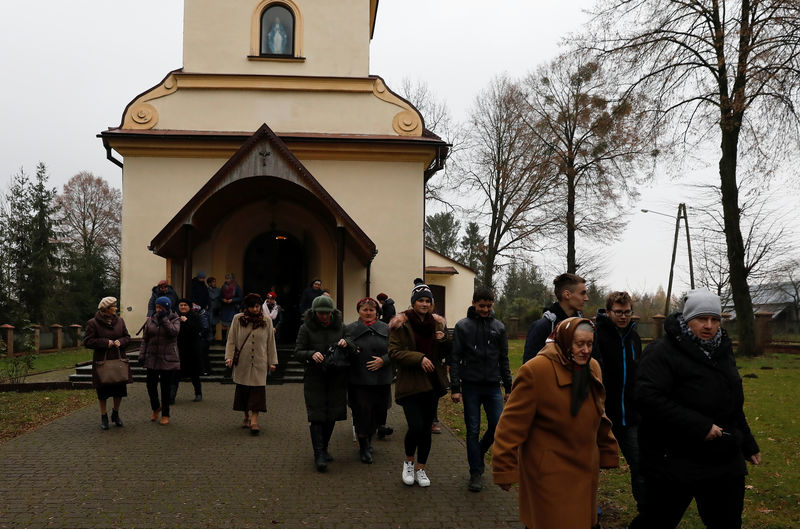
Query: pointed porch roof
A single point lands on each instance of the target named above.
(262, 167)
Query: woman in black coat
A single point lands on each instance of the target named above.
(370, 382)
(107, 334)
(694, 437)
(189, 350)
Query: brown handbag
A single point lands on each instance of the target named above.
(237, 349)
(113, 371)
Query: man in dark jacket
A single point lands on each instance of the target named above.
(570, 291)
(618, 348)
(200, 290)
(388, 310)
(694, 436)
(162, 289)
(310, 294)
(478, 365)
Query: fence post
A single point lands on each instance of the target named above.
(763, 330)
(75, 330)
(513, 327)
(9, 332)
(37, 337)
(58, 339)
(658, 330)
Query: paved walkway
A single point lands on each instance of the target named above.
(203, 470)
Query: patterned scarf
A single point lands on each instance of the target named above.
(709, 347)
(256, 320)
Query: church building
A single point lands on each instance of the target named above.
(273, 154)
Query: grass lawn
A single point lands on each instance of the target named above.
(23, 412)
(60, 360)
(772, 501)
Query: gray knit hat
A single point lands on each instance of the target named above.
(701, 302)
(322, 304)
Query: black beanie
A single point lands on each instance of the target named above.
(420, 290)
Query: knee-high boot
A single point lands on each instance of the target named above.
(317, 442)
(328, 431)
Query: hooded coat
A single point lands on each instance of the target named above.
(554, 456)
(101, 329)
(681, 393)
(325, 390)
(156, 293)
(541, 329)
(160, 343)
(411, 379)
(480, 352)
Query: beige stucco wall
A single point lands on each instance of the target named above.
(216, 38)
(246, 110)
(154, 189)
(458, 287)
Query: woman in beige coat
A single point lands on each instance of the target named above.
(251, 334)
(553, 436)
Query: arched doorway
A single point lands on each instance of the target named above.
(276, 261)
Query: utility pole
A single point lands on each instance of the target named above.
(680, 215)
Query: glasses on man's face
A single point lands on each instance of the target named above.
(620, 313)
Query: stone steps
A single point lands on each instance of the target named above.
(289, 369)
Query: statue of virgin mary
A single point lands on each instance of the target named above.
(276, 39)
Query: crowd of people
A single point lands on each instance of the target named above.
(586, 390)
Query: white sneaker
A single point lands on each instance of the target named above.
(422, 478)
(408, 472)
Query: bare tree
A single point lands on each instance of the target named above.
(765, 243)
(593, 138)
(501, 163)
(719, 70)
(90, 218)
(439, 121)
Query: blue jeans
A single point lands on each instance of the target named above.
(491, 398)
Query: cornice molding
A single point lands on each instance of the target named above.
(142, 115)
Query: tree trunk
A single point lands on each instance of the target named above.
(733, 236)
(571, 265)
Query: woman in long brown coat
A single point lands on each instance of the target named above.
(553, 436)
(107, 334)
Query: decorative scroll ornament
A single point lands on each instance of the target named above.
(144, 114)
(407, 123)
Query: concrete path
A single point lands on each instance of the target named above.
(203, 470)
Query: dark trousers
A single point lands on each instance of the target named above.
(419, 411)
(164, 378)
(195, 377)
(491, 398)
(719, 502)
(628, 440)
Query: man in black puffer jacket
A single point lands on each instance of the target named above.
(618, 349)
(478, 365)
(694, 436)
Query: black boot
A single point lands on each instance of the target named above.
(364, 451)
(384, 430)
(317, 437)
(173, 392)
(115, 418)
(104, 421)
(327, 432)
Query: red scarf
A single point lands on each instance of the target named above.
(424, 331)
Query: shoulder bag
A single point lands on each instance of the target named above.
(113, 371)
(238, 349)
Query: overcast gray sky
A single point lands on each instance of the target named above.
(70, 68)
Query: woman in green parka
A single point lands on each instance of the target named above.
(324, 385)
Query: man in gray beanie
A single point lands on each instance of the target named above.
(693, 437)
(701, 302)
